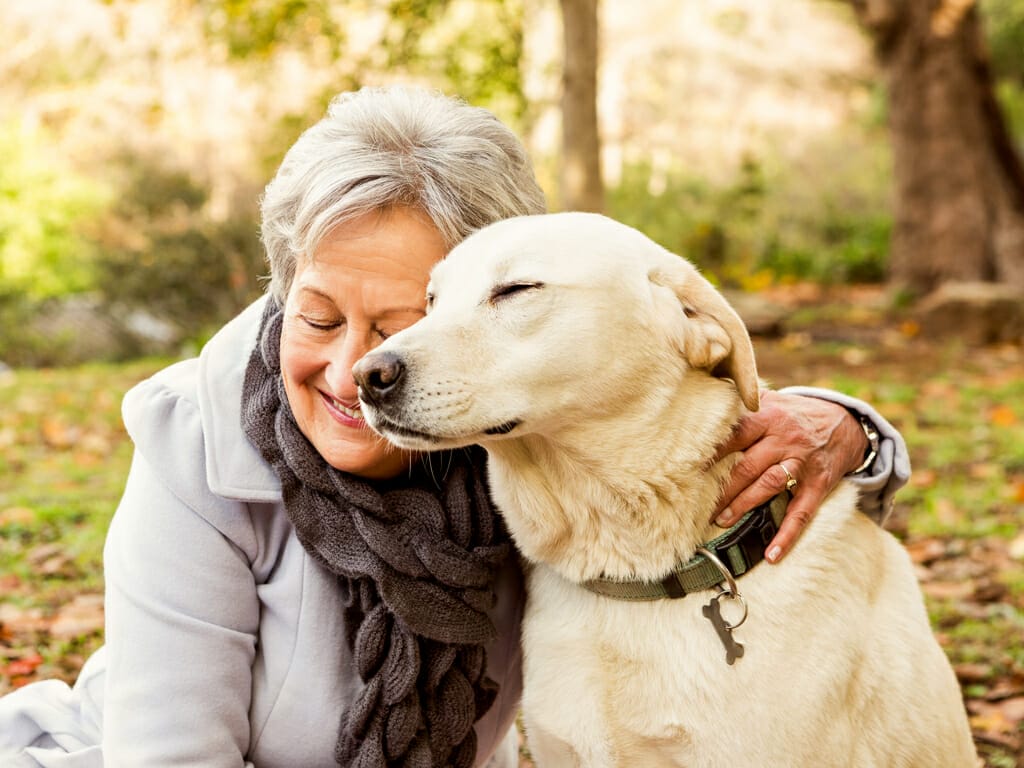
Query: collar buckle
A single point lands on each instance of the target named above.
(742, 547)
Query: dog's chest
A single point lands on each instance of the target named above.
(650, 682)
(631, 672)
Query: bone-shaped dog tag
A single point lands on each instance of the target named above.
(713, 613)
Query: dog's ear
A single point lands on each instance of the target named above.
(715, 337)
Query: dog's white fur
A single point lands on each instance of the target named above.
(622, 369)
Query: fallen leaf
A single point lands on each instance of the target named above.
(855, 356)
(948, 590)
(923, 478)
(26, 665)
(9, 582)
(95, 443)
(86, 460)
(984, 471)
(797, 340)
(38, 555)
(989, 591)
(1016, 548)
(947, 513)
(17, 516)
(925, 551)
(968, 672)
(992, 717)
(1002, 416)
(910, 328)
(82, 616)
(1013, 709)
(1018, 492)
(58, 565)
(22, 620)
(939, 389)
(57, 434)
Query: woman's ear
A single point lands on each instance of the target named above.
(714, 338)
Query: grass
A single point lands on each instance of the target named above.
(64, 457)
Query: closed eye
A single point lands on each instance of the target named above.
(506, 290)
(317, 325)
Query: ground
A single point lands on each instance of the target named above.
(64, 454)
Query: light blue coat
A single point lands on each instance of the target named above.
(224, 640)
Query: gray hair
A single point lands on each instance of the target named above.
(383, 147)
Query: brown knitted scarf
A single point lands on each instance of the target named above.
(416, 559)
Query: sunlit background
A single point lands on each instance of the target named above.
(135, 138)
(767, 140)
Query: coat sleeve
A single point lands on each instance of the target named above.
(182, 609)
(891, 468)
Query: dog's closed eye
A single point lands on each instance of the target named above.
(507, 290)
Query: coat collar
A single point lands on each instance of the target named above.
(234, 467)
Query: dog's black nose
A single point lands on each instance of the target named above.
(378, 374)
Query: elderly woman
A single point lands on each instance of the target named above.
(284, 588)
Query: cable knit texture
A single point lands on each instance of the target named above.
(416, 558)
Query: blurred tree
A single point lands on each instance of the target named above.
(582, 188)
(959, 208)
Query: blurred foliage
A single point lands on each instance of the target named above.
(45, 214)
(259, 28)
(21, 342)
(477, 55)
(162, 253)
(1011, 99)
(140, 233)
(472, 49)
(1004, 27)
(758, 229)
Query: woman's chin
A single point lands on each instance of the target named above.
(361, 451)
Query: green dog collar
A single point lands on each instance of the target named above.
(739, 549)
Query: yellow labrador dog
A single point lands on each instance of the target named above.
(600, 372)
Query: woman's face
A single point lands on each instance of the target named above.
(366, 281)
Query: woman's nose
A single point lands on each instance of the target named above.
(342, 358)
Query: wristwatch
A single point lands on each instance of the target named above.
(873, 442)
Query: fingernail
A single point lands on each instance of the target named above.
(773, 554)
(724, 519)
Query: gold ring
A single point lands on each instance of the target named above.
(790, 480)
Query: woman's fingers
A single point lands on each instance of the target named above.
(817, 441)
(757, 478)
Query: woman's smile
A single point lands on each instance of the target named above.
(348, 415)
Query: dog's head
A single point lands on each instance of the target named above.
(536, 323)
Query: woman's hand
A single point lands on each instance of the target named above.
(818, 441)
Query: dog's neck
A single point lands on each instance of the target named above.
(625, 496)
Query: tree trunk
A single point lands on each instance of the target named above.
(959, 181)
(582, 188)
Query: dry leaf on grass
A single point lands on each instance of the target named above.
(82, 616)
